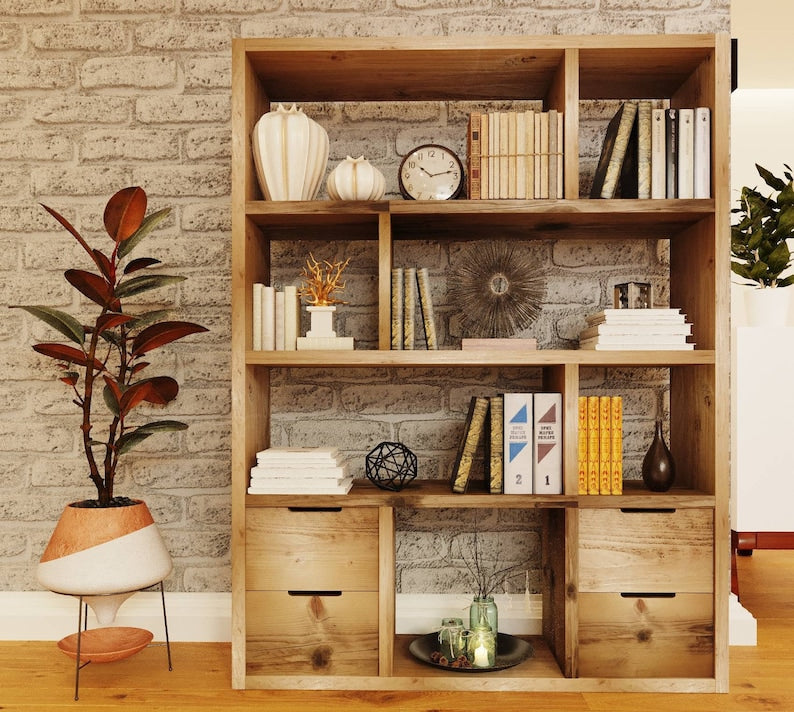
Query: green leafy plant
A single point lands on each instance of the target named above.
(758, 240)
(110, 352)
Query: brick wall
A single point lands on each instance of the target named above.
(96, 95)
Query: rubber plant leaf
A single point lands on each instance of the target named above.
(62, 352)
(90, 285)
(124, 213)
(157, 335)
(129, 440)
(70, 228)
(139, 264)
(144, 283)
(111, 320)
(105, 267)
(58, 320)
(159, 390)
(151, 222)
(112, 395)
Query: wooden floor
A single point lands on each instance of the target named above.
(37, 677)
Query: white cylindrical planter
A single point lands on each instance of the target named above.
(767, 306)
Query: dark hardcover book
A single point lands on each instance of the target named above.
(494, 444)
(613, 151)
(475, 154)
(473, 428)
(671, 150)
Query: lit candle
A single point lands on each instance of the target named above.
(480, 657)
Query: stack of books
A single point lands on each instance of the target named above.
(408, 283)
(300, 470)
(523, 443)
(600, 446)
(651, 152)
(515, 155)
(637, 330)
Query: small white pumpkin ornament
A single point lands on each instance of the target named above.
(355, 179)
(291, 154)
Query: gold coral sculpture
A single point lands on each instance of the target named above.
(321, 281)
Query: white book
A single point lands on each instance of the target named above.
(635, 316)
(629, 339)
(304, 471)
(397, 307)
(325, 343)
(299, 454)
(529, 126)
(517, 443)
(686, 153)
(702, 152)
(658, 155)
(593, 345)
(268, 318)
(536, 156)
(553, 154)
(292, 317)
(504, 158)
(544, 155)
(547, 443)
(256, 312)
(279, 335)
(521, 155)
(342, 487)
(636, 329)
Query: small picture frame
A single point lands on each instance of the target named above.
(633, 295)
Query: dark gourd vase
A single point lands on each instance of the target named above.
(658, 468)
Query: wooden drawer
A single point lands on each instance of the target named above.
(312, 549)
(311, 634)
(646, 636)
(666, 550)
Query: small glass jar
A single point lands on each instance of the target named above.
(451, 639)
(482, 647)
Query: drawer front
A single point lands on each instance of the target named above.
(648, 550)
(311, 634)
(646, 636)
(300, 549)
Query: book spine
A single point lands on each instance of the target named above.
(495, 441)
(485, 142)
(702, 152)
(644, 149)
(686, 153)
(504, 175)
(604, 444)
(547, 443)
(671, 152)
(536, 155)
(472, 432)
(409, 310)
(512, 155)
(529, 140)
(658, 155)
(256, 315)
(397, 307)
(268, 319)
(581, 459)
(493, 155)
(518, 443)
(521, 155)
(622, 136)
(426, 304)
(279, 325)
(592, 445)
(475, 153)
(617, 445)
(553, 140)
(544, 155)
(560, 155)
(292, 317)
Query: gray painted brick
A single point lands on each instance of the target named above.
(142, 72)
(134, 144)
(210, 108)
(209, 35)
(36, 73)
(85, 36)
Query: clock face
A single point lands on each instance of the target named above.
(431, 172)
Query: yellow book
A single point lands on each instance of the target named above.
(604, 444)
(617, 445)
(592, 445)
(582, 445)
(504, 158)
(512, 154)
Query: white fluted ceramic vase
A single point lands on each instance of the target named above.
(355, 179)
(290, 154)
(104, 554)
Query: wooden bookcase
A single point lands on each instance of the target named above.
(635, 587)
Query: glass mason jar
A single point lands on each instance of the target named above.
(482, 647)
(451, 639)
(483, 611)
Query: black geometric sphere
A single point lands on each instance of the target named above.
(390, 466)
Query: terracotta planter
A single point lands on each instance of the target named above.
(107, 553)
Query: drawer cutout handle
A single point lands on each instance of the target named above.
(647, 510)
(314, 509)
(314, 593)
(655, 594)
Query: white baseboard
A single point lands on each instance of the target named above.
(206, 617)
(192, 617)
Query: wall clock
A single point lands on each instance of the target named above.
(431, 172)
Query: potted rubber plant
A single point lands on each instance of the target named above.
(110, 544)
(759, 246)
